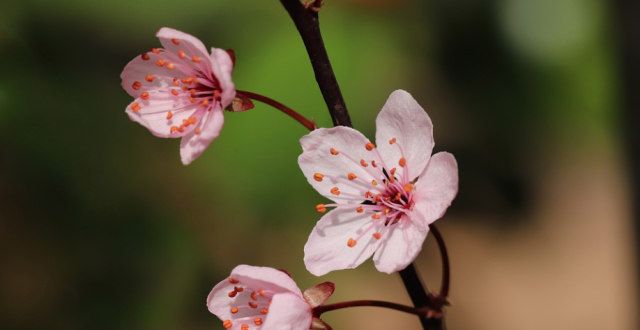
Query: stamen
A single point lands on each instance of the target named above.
(333, 151)
(253, 304)
(155, 50)
(335, 191)
(170, 66)
(244, 326)
(375, 216)
(257, 321)
(320, 208)
(227, 324)
(233, 280)
(373, 163)
(369, 146)
(160, 62)
(195, 59)
(264, 311)
(144, 95)
(408, 187)
(363, 163)
(402, 162)
(351, 242)
(169, 115)
(377, 235)
(135, 107)
(318, 177)
(136, 85)
(232, 294)
(145, 56)
(149, 78)
(234, 310)
(351, 176)
(238, 288)
(254, 295)
(392, 141)
(182, 54)
(175, 41)
(360, 209)
(175, 92)
(374, 182)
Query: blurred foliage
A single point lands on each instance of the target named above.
(103, 228)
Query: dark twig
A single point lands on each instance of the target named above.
(317, 311)
(308, 26)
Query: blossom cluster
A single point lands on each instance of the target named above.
(383, 193)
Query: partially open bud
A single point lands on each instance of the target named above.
(241, 103)
(318, 294)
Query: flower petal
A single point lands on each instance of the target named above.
(266, 278)
(194, 53)
(144, 74)
(222, 65)
(436, 187)
(404, 120)
(161, 111)
(288, 312)
(400, 246)
(198, 139)
(328, 247)
(330, 155)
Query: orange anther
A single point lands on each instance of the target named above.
(264, 311)
(173, 129)
(261, 292)
(135, 106)
(175, 92)
(351, 242)
(375, 216)
(351, 176)
(233, 280)
(182, 54)
(175, 82)
(321, 208)
(402, 162)
(244, 326)
(205, 102)
(363, 163)
(232, 294)
(197, 131)
(392, 141)
(170, 66)
(377, 235)
(386, 210)
(144, 95)
(253, 304)
(234, 310)
(238, 288)
(369, 146)
(169, 115)
(318, 177)
(257, 321)
(333, 151)
(227, 324)
(155, 50)
(360, 209)
(368, 194)
(160, 62)
(149, 78)
(136, 85)
(408, 187)
(373, 163)
(392, 171)
(335, 191)
(192, 120)
(144, 56)
(175, 41)
(195, 59)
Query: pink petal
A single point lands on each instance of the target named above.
(153, 113)
(195, 53)
(400, 246)
(222, 65)
(195, 143)
(436, 187)
(404, 119)
(326, 171)
(327, 248)
(136, 74)
(266, 278)
(288, 312)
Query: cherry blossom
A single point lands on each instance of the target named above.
(263, 298)
(180, 91)
(385, 195)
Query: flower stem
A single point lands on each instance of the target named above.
(309, 124)
(317, 311)
(308, 26)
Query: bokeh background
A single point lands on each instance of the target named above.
(102, 227)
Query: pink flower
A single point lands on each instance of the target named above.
(180, 91)
(385, 196)
(260, 298)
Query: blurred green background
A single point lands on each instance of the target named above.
(102, 227)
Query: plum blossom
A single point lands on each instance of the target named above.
(180, 91)
(385, 194)
(262, 298)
